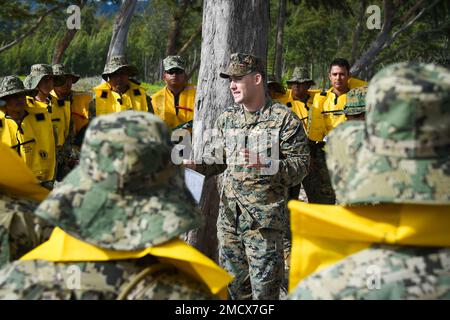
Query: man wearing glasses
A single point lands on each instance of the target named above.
(174, 103)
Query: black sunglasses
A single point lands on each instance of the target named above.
(176, 71)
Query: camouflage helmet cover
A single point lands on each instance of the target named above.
(404, 156)
(125, 194)
(61, 70)
(11, 85)
(39, 71)
(242, 64)
(174, 62)
(300, 75)
(356, 101)
(116, 63)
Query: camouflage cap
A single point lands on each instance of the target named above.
(39, 71)
(356, 101)
(405, 154)
(300, 75)
(174, 62)
(242, 64)
(125, 194)
(272, 82)
(115, 64)
(11, 85)
(60, 70)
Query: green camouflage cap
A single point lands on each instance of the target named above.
(405, 154)
(115, 64)
(300, 75)
(125, 194)
(356, 101)
(11, 85)
(60, 70)
(276, 85)
(242, 64)
(39, 71)
(174, 62)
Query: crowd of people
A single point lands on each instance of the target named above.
(99, 209)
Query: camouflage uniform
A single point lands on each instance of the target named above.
(402, 156)
(356, 101)
(125, 195)
(252, 213)
(20, 229)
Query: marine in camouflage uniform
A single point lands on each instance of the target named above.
(402, 158)
(252, 214)
(125, 196)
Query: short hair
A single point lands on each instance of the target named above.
(341, 62)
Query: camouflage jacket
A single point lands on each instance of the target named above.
(106, 280)
(20, 229)
(382, 272)
(262, 195)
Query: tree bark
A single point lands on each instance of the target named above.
(122, 22)
(278, 59)
(358, 30)
(228, 26)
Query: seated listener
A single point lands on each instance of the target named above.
(390, 239)
(119, 215)
(120, 92)
(28, 130)
(175, 103)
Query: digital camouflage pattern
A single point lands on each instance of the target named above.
(252, 215)
(300, 75)
(39, 280)
(39, 71)
(174, 62)
(20, 229)
(242, 64)
(11, 85)
(125, 194)
(116, 63)
(343, 144)
(382, 273)
(62, 71)
(405, 156)
(356, 101)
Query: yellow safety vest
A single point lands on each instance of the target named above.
(284, 98)
(108, 101)
(302, 111)
(80, 109)
(16, 179)
(322, 235)
(60, 118)
(34, 142)
(326, 113)
(163, 103)
(61, 247)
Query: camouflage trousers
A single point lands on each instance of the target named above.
(252, 254)
(317, 183)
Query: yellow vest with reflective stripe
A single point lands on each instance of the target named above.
(326, 113)
(322, 235)
(80, 109)
(33, 141)
(108, 101)
(60, 118)
(163, 103)
(302, 111)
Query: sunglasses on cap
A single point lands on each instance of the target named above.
(175, 71)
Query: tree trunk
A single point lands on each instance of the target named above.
(358, 30)
(228, 26)
(121, 26)
(175, 29)
(277, 70)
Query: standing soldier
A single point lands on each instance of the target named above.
(252, 215)
(325, 115)
(120, 92)
(175, 103)
(118, 215)
(71, 108)
(28, 130)
(20, 229)
(392, 239)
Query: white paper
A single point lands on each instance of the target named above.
(194, 182)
